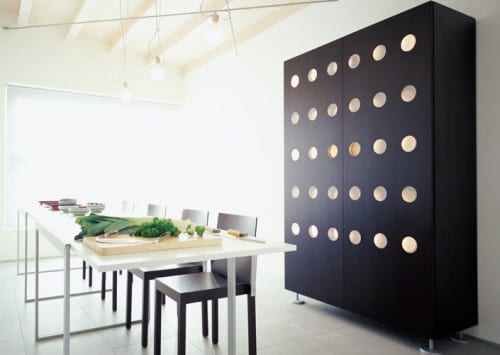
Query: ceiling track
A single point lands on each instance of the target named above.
(235, 9)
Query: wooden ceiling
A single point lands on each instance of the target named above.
(181, 40)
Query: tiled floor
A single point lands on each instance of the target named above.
(282, 327)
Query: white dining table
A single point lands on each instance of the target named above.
(60, 230)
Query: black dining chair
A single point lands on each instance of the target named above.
(150, 273)
(204, 286)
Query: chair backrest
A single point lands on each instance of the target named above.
(245, 224)
(127, 207)
(196, 216)
(156, 210)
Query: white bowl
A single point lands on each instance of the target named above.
(96, 206)
(78, 211)
(67, 201)
(65, 208)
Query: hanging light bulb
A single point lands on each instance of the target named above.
(125, 94)
(214, 35)
(157, 72)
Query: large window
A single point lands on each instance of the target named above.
(61, 144)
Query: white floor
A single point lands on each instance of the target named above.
(282, 327)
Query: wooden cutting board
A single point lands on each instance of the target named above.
(165, 244)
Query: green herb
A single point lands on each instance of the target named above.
(200, 230)
(189, 230)
(156, 228)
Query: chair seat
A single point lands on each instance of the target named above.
(197, 287)
(166, 270)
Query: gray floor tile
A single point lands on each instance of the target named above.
(282, 327)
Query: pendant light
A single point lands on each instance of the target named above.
(157, 71)
(214, 35)
(125, 94)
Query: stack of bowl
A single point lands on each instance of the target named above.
(96, 207)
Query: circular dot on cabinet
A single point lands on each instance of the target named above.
(333, 192)
(409, 244)
(295, 118)
(333, 234)
(355, 237)
(355, 193)
(295, 192)
(332, 151)
(313, 192)
(354, 149)
(295, 229)
(379, 99)
(354, 61)
(332, 68)
(409, 143)
(380, 240)
(295, 154)
(380, 193)
(409, 194)
(408, 93)
(312, 75)
(312, 153)
(379, 146)
(354, 105)
(408, 42)
(294, 81)
(313, 114)
(313, 231)
(332, 110)
(379, 52)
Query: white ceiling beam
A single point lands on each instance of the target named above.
(185, 29)
(25, 7)
(83, 15)
(244, 35)
(116, 39)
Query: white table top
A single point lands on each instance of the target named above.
(61, 229)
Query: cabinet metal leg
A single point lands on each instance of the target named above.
(459, 338)
(430, 348)
(298, 300)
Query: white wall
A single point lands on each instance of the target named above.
(43, 58)
(240, 101)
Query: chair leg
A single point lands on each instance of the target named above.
(215, 321)
(128, 311)
(84, 269)
(90, 276)
(204, 318)
(157, 330)
(252, 328)
(145, 313)
(103, 286)
(181, 328)
(115, 290)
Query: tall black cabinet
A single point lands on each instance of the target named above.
(380, 172)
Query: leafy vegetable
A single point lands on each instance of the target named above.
(94, 224)
(189, 230)
(156, 228)
(199, 230)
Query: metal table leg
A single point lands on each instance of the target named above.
(231, 306)
(67, 256)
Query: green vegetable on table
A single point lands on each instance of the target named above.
(199, 230)
(149, 227)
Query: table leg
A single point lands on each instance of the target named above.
(18, 234)
(231, 306)
(66, 333)
(36, 282)
(26, 258)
